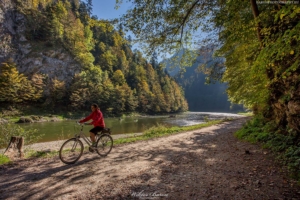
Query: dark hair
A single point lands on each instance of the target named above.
(95, 106)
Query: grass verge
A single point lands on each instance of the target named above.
(40, 154)
(4, 159)
(286, 146)
(161, 130)
(247, 114)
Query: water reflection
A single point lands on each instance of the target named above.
(65, 129)
(193, 118)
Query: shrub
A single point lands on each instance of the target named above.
(8, 130)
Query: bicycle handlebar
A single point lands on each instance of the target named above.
(80, 124)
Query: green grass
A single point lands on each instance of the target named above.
(40, 154)
(248, 114)
(161, 130)
(4, 159)
(12, 119)
(283, 143)
(60, 117)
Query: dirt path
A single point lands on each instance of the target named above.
(204, 164)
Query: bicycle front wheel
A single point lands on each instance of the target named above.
(71, 151)
(104, 144)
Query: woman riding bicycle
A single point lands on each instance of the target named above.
(98, 122)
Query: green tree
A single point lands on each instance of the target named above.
(14, 86)
(118, 78)
(107, 93)
(154, 60)
(38, 82)
(131, 98)
(108, 61)
(57, 93)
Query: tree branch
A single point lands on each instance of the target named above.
(255, 12)
(185, 19)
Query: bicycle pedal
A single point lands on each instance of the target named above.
(91, 149)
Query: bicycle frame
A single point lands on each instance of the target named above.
(83, 136)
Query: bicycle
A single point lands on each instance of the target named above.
(72, 149)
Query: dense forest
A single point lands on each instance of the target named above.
(200, 95)
(108, 71)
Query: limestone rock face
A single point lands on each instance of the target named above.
(32, 57)
(286, 103)
(6, 30)
(293, 115)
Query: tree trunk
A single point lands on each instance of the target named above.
(15, 148)
(255, 12)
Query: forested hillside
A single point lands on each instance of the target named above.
(55, 54)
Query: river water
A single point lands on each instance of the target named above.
(65, 129)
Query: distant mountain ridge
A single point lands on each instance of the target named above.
(201, 96)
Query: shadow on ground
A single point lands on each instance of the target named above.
(198, 165)
(205, 166)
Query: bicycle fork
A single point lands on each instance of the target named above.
(75, 144)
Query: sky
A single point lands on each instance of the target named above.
(105, 9)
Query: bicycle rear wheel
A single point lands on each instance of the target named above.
(104, 144)
(71, 151)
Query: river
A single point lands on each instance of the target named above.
(65, 129)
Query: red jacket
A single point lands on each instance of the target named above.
(97, 118)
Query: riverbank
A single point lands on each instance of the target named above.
(68, 116)
(32, 119)
(55, 145)
(30, 114)
(50, 148)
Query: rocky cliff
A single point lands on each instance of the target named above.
(31, 57)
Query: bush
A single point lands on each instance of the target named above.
(10, 111)
(8, 130)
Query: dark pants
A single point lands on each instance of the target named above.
(96, 129)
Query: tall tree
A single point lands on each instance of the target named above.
(154, 60)
(89, 7)
(255, 12)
